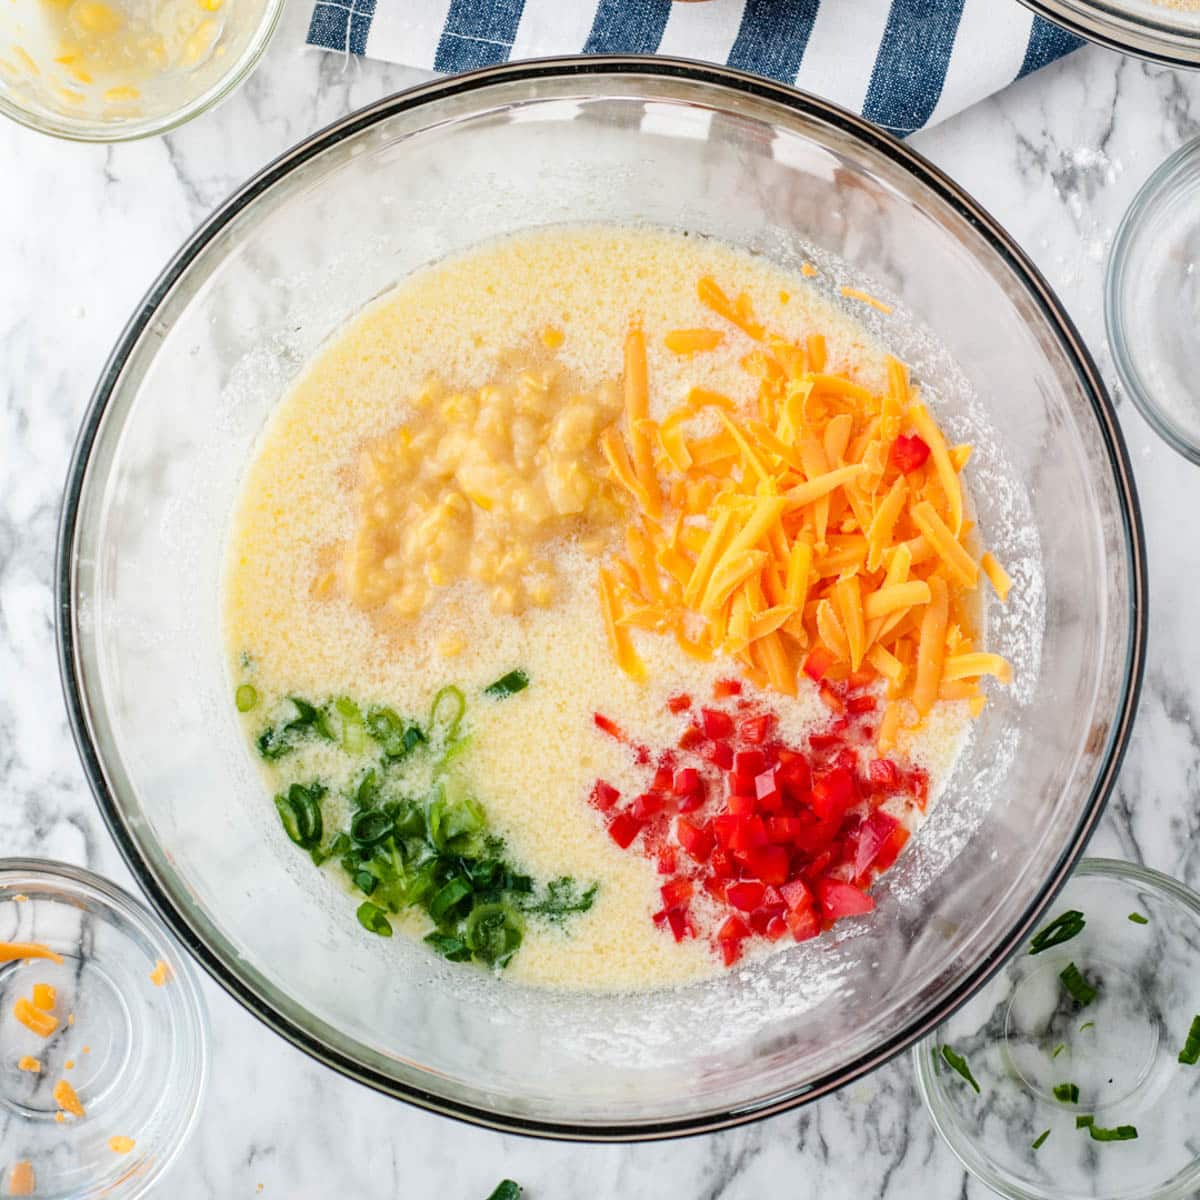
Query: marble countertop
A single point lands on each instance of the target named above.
(84, 230)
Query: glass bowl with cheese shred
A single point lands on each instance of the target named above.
(113, 70)
(104, 1049)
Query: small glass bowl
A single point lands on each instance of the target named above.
(131, 1040)
(116, 70)
(1152, 300)
(1025, 1035)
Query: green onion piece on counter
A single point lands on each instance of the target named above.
(1041, 1137)
(1084, 1121)
(1190, 1054)
(507, 685)
(959, 1064)
(246, 697)
(1062, 929)
(371, 917)
(1122, 1133)
(1081, 991)
(1058, 1049)
(1087, 1025)
(507, 1190)
(1138, 919)
(1068, 1093)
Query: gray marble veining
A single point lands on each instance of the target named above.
(84, 230)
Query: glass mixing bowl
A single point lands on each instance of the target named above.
(331, 225)
(1165, 31)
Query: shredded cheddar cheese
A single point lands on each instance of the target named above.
(44, 996)
(15, 951)
(67, 1099)
(21, 1179)
(34, 1019)
(866, 297)
(121, 1145)
(29, 1063)
(793, 528)
(161, 974)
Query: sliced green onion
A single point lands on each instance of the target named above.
(447, 897)
(1040, 1139)
(1062, 929)
(1190, 1054)
(370, 827)
(1067, 1093)
(365, 882)
(1086, 1026)
(494, 933)
(299, 810)
(1073, 980)
(1138, 919)
(1058, 1049)
(449, 947)
(354, 730)
(1122, 1133)
(246, 697)
(957, 1063)
(1084, 1121)
(448, 708)
(506, 1190)
(507, 685)
(371, 917)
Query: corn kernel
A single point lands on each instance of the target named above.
(125, 94)
(93, 16)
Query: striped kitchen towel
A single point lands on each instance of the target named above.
(903, 64)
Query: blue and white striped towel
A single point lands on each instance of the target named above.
(903, 64)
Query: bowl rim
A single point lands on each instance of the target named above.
(1158, 188)
(131, 909)
(735, 84)
(970, 1152)
(1152, 41)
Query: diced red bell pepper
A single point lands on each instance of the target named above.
(715, 887)
(795, 779)
(818, 662)
(863, 677)
(832, 793)
(743, 785)
(607, 726)
(847, 760)
(754, 730)
(838, 899)
(741, 806)
(603, 796)
(750, 833)
(825, 741)
(681, 925)
(749, 762)
(720, 754)
(795, 894)
(803, 923)
(721, 864)
(697, 840)
(767, 790)
(724, 688)
(883, 774)
(832, 698)
(715, 723)
(783, 831)
(909, 453)
(676, 893)
(691, 738)
(725, 828)
(761, 918)
(745, 895)
(691, 802)
(776, 928)
(769, 863)
(873, 833)
(860, 704)
(890, 850)
(686, 781)
(680, 703)
(918, 782)
(664, 777)
(623, 828)
(730, 937)
(647, 805)
(667, 860)
(772, 897)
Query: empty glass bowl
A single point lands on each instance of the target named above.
(341, 218)
(1152, 300)
(126, 1029)
(1082, 1093)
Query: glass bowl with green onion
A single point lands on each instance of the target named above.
(1076, 1071)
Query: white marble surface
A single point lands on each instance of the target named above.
(84, 230)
